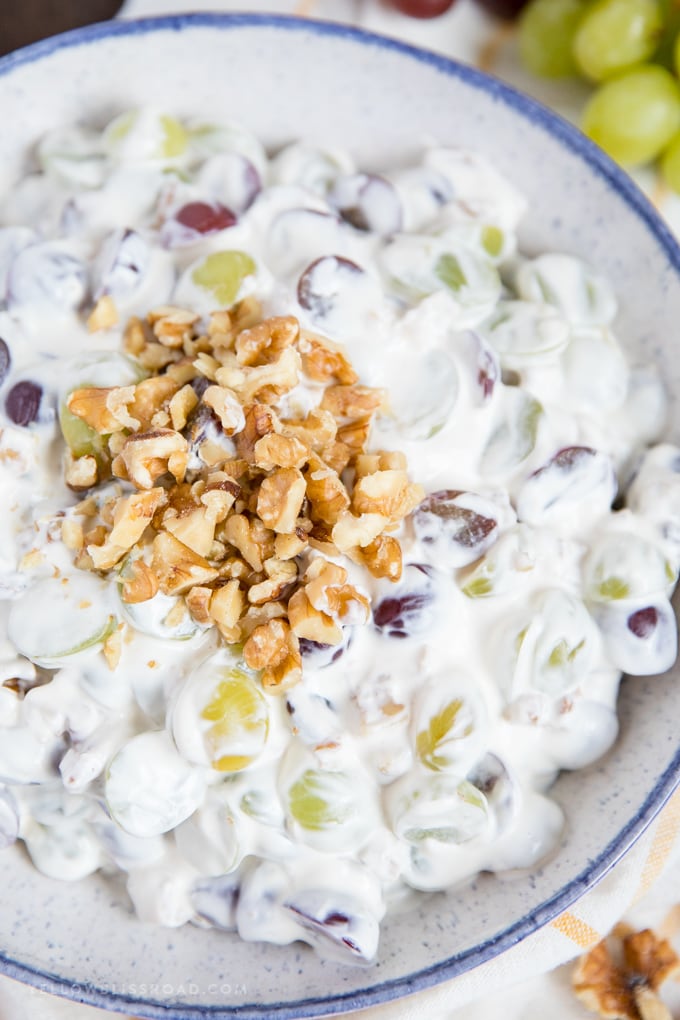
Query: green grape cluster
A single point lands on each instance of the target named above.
(630, 51)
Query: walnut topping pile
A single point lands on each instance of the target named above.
(235, 472)
(619, 979)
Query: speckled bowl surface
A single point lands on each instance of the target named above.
(284, 79)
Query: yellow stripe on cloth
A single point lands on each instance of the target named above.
(666, 834)
(577, 930)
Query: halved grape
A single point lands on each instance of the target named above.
(209, 839)
(367, 202)
(490, 776)
(514, 437)
(59, 617)
(422, 397)
(210, 141)
(337, 924)
(336, 911)
(422, 191)
(223, 273)
(440, 807)
(215, 900)
(195, 220)
(458, 527)
(624, 565)
(298, 237)
(640, 639)
(581, 732)
(74, 157)
(46, 279)
(68, 851)
(634, 116)
(503, 568)
(231, 179)
(330, 809)
(575, 480)
(613, 35)
(221, 717)
(149, 788)
(407, 609)
(121, 265)
(312, 717)
(420, 265)
(522, 332)
(554, 646)
(581, 296)
(448, 724)
(595, 371)
(145, 134)
(321, 800)
(313, 169)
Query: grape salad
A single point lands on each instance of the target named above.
(331, 522)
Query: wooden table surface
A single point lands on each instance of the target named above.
(25, 22)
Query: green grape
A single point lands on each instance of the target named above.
(449, 270)
(453, 723)
(670, 164)
(79, 437)
(492, 239)
(239, 721)
(634, 116)
(514, 437)
(439, 807)
(613, 35)
(613, 588)
(222, 273)
(546, 33)
(59, 617)
(174, 140)
(322, 800)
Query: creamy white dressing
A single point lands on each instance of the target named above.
(421, 749)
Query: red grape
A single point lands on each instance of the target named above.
(506, 9)
(205, 218)
(422, 8)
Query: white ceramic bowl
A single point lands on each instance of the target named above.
(285, 78)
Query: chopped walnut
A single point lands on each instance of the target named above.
(131, 517)
(227, 407)
(81, 473)
(226, 608)
(235, 483)
(383, 557)
(626, 991)
(274, 648)
(177, 567)
(280, 499)
(147, 456)
(104, 315)
(141, 584)
(263, 343)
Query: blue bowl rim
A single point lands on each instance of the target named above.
(572, 139)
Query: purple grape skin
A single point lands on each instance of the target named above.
(22, 403)
(354, 198)
(319, 655)
(123, 261)
(314, 301)
(467, 528)
(5, 361)
(643, 623)
(405, 612)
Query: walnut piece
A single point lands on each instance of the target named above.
(274, 648)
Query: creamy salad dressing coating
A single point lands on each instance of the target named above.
(421, 749)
